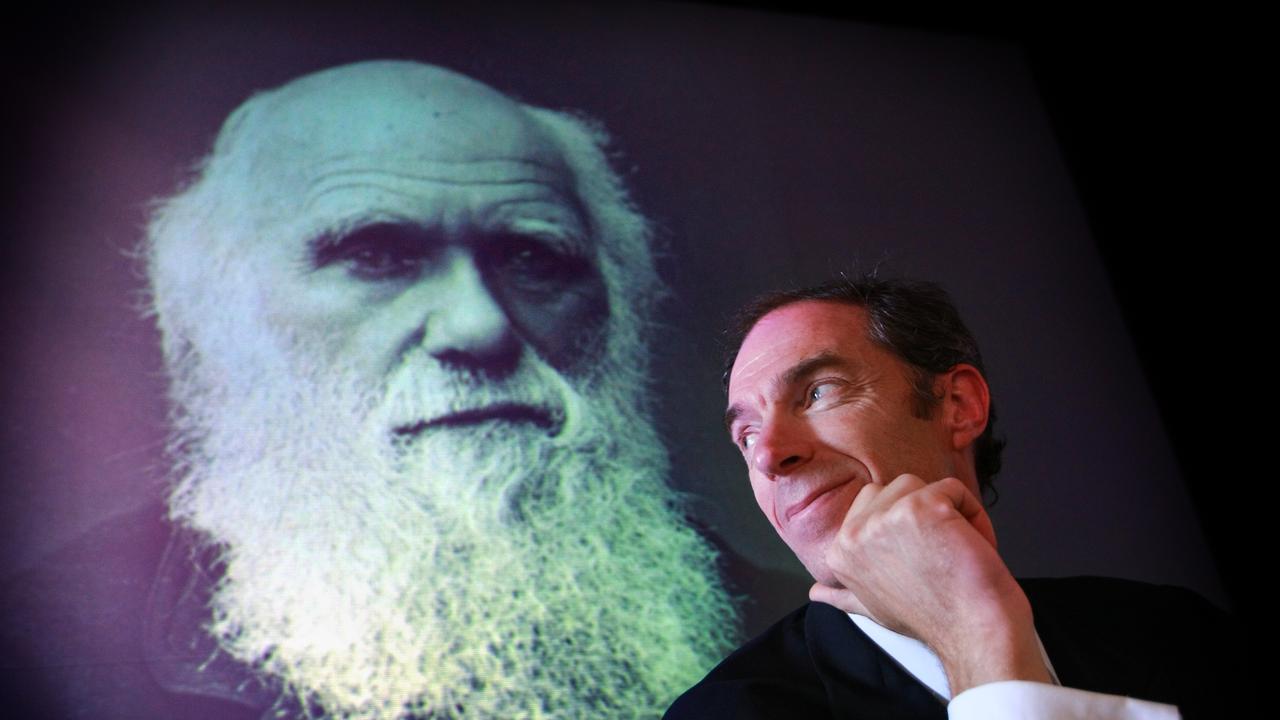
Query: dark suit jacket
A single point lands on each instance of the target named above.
(1112, 636)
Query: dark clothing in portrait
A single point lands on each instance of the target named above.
(112, 626)
(1118, 637)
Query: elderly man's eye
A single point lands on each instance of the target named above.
(527, 263)
(377, 252)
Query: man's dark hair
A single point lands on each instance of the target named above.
(914, 320)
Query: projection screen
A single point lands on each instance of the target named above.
(407, 396)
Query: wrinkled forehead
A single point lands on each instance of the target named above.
(397, 119)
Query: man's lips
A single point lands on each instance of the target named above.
(506, 412)
(809, 499)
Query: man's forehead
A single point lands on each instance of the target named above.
(381, 113)
(797, 331)
(789, 342)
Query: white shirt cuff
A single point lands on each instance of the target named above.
(1023, 700)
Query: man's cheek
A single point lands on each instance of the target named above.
(566, 327)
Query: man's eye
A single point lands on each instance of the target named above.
(527, 263)
(377, 252)
(820, 391)
(746, 440)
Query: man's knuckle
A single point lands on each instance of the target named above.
(907, 480)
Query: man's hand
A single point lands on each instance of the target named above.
(920, 558)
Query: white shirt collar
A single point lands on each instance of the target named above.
(917, 659)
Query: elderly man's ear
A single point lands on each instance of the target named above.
(966, 403)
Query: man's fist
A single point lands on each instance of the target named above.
(920, 558)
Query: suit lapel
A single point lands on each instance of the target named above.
(182, 657)
(858, 676)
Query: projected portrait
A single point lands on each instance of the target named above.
(403, 316)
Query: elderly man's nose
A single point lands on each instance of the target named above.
(469, 329)
(781, 448)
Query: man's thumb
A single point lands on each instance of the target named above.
(842, 598)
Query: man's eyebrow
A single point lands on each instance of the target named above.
(791, 375)
(811, 365)
(335, 229)
(730, 415)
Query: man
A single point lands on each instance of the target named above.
(865, 420)
(414, 474)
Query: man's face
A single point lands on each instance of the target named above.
(818, 411)
(440, 227)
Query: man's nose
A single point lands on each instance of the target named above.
(782, 447)
(469, 329)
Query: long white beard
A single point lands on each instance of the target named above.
(486, 570)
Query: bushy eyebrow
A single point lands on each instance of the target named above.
(790, 376)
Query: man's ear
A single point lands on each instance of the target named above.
(966, 403)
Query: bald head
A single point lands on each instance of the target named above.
(374, 107)
(407, 188)
(402, 124)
